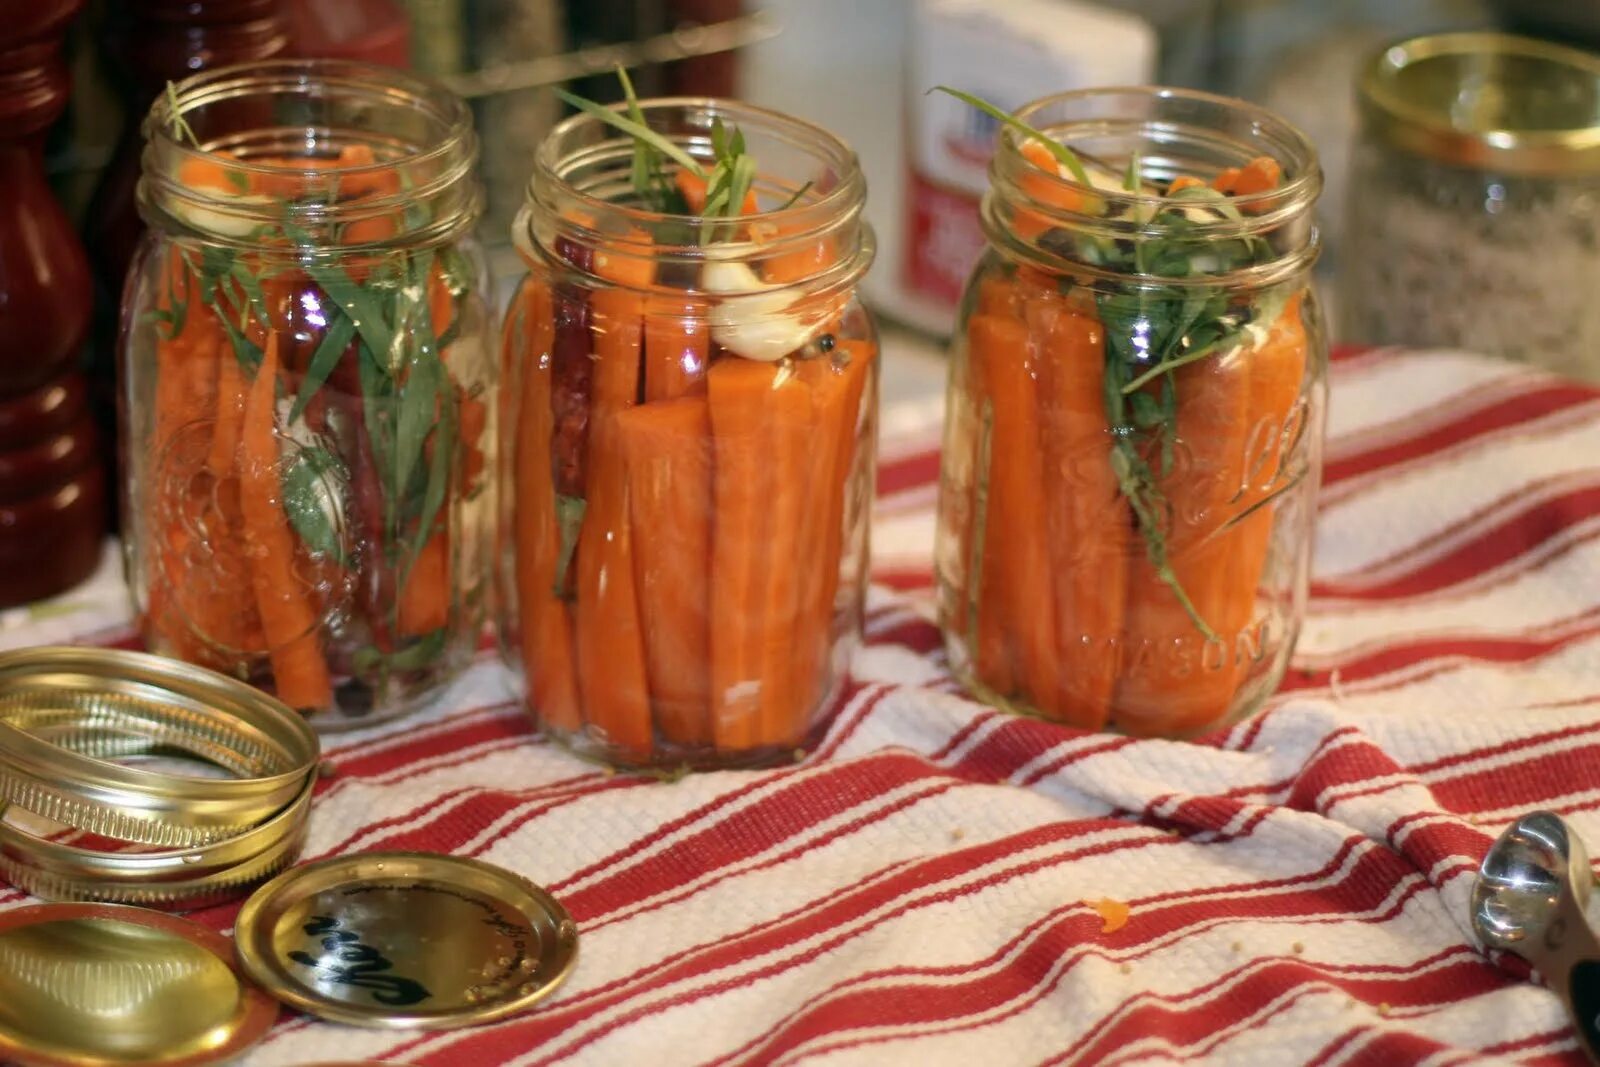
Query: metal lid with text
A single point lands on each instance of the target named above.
(405, 940)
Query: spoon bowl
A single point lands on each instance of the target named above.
(1529, 899)
(1520, 884)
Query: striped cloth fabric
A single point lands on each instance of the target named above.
(939, 883)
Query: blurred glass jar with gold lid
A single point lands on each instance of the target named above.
(1474, 201)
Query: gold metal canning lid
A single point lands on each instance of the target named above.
(169, 878)
(1490, 101)
(91, 985)
(405, 940)
(66, 712)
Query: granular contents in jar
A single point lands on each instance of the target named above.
(1442, 256)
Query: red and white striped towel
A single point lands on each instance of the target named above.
(920, 889)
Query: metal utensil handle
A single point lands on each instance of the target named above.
(1583, 995)
(1574, 972)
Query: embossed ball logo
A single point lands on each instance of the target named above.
(206, 552)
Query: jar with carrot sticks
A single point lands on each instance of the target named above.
(1135, 412)
(309, 386)
(690, 383)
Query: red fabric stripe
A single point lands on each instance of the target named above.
(1512, 538)
(906, 472)
(1468, 425)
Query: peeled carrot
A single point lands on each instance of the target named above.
(996, 295)
(803, 260)
(677, 347)
(837, 387)
(1047, 188)
(299, 672)
(212, 173)
(991, 340)
(693, 188)
(630, 262)
(1087, 516)
(1182, 182)
(1171, 674)
(1226, 180)
(1257, 176)
(425, 593)
(739, 391)
(546, 631)
(788, 428)
(1016, 529)
(611, 661)
(231, 392)
(667, 447)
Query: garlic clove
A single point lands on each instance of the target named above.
(756, 323)
(225, 223)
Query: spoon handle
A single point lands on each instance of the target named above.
(1582, 995)
(1574, 972)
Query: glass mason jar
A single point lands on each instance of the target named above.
(308, 386)
(1134, 419)
(1477, 172)
(690, 443)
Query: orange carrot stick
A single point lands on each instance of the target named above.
(677, 347)
(693, 188)
(231, 391)
(1171, 673)
(836, 391)
(785, 477)
(1015, 530)
(1047, 188)
(739, 391)
(667, 446)
(991, 340)
(1088, 518)
(546, 626)
(425, 594)
(299, 672)
(611, 662)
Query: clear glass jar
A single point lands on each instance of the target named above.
(1474, 201)
(1134, 422)
(308, 387)
(690, 442)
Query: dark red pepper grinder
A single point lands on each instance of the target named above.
(52, 484)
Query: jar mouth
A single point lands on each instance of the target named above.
(322, 145)
(1173, 133)
(809, 190)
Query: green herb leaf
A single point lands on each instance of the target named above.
(1147, 412)
(444, 450)
(1064, 155)
(176, 123)
(363, 307)
(246, 351)
(311, 504)
(417, 656)
(795, 199)
(638, 131)
(250, 284)
(377, 402)
(569, 521)
(329, 351)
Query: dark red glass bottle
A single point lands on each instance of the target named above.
(52, 484)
